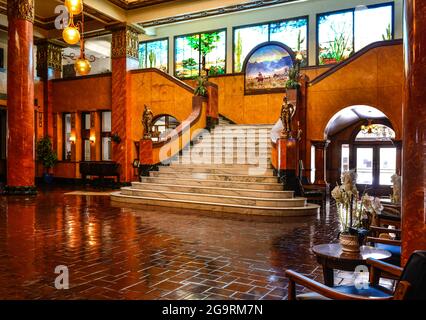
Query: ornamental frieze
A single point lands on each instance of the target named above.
(21, 9)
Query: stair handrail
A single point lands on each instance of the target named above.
(354, 57)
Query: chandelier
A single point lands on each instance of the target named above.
(74, 33)
(370, 128)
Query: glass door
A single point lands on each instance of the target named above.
(375, 165)
(387, 165)
(364, 165)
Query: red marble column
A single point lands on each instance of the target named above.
(414, 130)
(320, 161)
(20, 90)
(124, 53)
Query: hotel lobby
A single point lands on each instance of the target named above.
(212, 150)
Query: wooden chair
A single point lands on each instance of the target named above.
(390, 216)
(411, 284)
(377, 239)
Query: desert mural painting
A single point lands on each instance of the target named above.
(267, 69)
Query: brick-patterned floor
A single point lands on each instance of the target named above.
(149, 253)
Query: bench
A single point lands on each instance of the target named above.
(100, 169)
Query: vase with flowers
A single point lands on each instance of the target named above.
(356, 213)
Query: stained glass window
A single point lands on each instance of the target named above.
(154, 54)
(293, 33)
(342, 33)
(335, 37)
(245, 39)
(373, 24)
(190, 49)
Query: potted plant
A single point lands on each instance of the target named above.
(201, 88)
(292, 85)
(47, 157)
(116, 138)
(355, 213)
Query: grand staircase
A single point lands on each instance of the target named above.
(228, 170)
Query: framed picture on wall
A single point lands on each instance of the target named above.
(267, 68)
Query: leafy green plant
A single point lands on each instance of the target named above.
(388, 33)
(293, 79)
(45, 153)
(201, 88)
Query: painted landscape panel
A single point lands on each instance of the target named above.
(268, 68)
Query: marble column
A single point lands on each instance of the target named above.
(49, 67)
(20, 90)
(414, 130)
(124, 54)
(320, 161)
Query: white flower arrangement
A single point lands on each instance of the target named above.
(352, 209)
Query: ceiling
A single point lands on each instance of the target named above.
(351, 115)
(136, 4)
(45, 15)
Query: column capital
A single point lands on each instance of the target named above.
(20, 9)
(49, 55)
(125, 41)
(320, 144)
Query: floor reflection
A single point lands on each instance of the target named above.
(149, 253)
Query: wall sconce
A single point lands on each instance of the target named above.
(92, 139)
(72, 139)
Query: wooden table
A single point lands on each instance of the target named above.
(331, 257)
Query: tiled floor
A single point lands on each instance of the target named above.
(149, 253)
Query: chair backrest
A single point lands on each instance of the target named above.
(415, 273)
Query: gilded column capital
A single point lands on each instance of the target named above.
(125, 42)
(49, 55)
(21, 9)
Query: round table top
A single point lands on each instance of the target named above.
(334, 251)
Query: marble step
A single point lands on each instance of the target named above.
(230, 146)
(213, 165)
(217, 177)
(308, 210)
(244, 126)
(223, 144)
(225, 138)
(262, 202)
(214, 183)
(194, 169)
(270, 194)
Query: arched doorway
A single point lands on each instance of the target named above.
(162, 124)
(363, 138)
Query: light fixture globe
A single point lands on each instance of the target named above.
(82, 66)
(71, 35)
(74, 7)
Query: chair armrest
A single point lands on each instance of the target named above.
(378, 267)
(384, 230)
(297, 278)
(384, 241)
